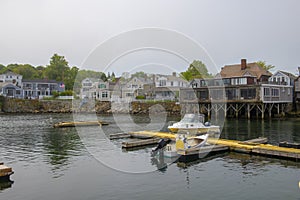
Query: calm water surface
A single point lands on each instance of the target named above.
(55, 164)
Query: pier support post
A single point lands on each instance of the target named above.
(225, 110)
(263, 111)
(236, 110)
(208, 111)
(248, 111)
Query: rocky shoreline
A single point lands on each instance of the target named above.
(9, 105)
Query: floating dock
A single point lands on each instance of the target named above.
(255, 146)
(140, 142)
(79, 123)
(5, 171)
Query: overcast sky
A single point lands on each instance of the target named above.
(32, 31)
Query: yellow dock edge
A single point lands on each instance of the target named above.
(240, 146)
(79, 123)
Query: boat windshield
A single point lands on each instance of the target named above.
(192, 118)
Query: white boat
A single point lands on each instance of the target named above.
(183, 142)
(193, 124)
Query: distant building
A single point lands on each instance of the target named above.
(41, 88)
(297, 88)
(11, 77)
(10, 90)
(167, 87)
(95, 89)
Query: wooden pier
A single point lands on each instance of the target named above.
(79, 123)
(5, 171)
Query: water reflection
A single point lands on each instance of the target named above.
(5, 184)
(61, 145)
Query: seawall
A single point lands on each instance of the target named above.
(9, 105)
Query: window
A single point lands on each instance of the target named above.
(101, 85)
(171, 83)
(239, 81)
(162, 83)
(226, 81)
(104, 94)
(248, 93)
(275, 92)
(129, 94)
(18, 92)
(266, 92)
(231, 94)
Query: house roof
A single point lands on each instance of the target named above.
(252, 69)
(41, 81)
(291, 76)
(2, 85)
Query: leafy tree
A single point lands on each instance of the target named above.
(26, 70)
(70, 77)
(197, 69)
(139, 75)
(264, 65)
(2, 68)
(57, 68)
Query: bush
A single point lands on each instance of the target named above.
(140, 97)
(66, 93)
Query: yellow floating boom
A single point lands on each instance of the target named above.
(80, 123)
(234, 145)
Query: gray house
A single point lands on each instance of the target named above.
(41, 88)
(10, 90)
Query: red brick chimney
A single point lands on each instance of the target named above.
(243, 64)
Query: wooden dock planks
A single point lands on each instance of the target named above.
(5, 171)
(139, 142)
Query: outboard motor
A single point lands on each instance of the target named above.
(161, 144)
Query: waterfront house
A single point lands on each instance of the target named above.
(40, 88)
(10, 90)
(95, 89)
(239, 88)
(167, 87)
(11, 77)
(297, 88)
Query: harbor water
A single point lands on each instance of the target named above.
(69, 164)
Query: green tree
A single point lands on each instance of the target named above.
(27, 71)
(197, 69)
(57, 69)
(139, 75)
(2, 68)
(264, 65)
(70, 77)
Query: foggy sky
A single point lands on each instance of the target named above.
(32, 31)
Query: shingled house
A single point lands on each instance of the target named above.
(242, 87)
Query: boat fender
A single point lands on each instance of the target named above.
(207, 124)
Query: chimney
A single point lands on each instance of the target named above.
(243, 64)
(174, 74)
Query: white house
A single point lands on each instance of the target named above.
(282, 78)
(10, 77)
(95, 89)
(167, 87)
